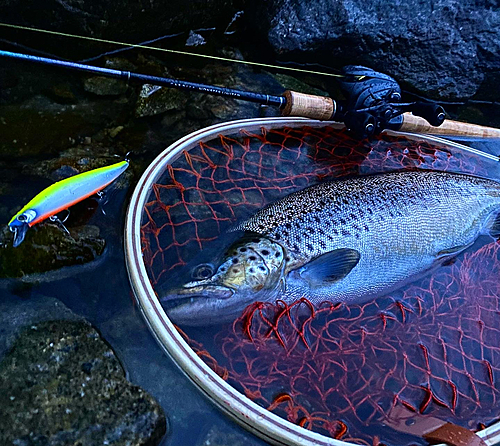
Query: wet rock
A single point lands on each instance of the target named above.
(118, 20)
(40, 125)
(105, 86)
(47, 247)
(61, 384)
(82, 158)
(63, 93)
(154, 100)
(195, 39)
(445, 49)
(294, 84)
(218, 437)
(16, 314)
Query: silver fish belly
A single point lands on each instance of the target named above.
(400, 225)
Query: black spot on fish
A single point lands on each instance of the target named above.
(243, 249)
(310, 247)
(223, 269)
(265, 252)
(288, 225)
(252, 258)
(277, 255)
(295, 247)
(262, 268)
(255, 240)
(235, 261)
(252, 270)
(287, 259)
(236, 270)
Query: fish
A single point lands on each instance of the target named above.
(348, 240)
(62, 195)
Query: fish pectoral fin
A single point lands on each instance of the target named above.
(330, 267)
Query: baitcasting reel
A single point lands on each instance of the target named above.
(374, 103)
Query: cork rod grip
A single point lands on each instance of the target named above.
(308, 106)
(415, 124)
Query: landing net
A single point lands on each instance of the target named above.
(432, 349)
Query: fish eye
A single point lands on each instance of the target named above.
(22, 217)
(203, 271)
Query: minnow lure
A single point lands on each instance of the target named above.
(61, 196)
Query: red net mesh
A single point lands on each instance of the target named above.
(340, 370)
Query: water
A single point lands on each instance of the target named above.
(39, 135)
(342, 370)
(48, 120)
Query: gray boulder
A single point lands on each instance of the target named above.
(61, 384)
(444, 49)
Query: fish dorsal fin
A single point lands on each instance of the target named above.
(330, 267)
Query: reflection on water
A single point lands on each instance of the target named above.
(429, 349)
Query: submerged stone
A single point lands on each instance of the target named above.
(154, 100)
(61, 384)
(48, 247)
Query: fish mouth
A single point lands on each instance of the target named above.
(179, 297)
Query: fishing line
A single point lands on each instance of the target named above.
(184, 53)
(110, 53)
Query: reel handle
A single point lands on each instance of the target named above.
(433, 113)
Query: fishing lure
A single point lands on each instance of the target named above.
(62, 195)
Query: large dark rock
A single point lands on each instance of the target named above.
(117, 20)
(445, 49)
(61, 384)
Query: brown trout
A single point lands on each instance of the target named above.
(348, 240)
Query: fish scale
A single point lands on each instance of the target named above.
(349, 240)
(371, 214)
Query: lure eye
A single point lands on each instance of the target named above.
(27, 216)
(203, 271)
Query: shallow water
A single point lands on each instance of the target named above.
(319, 369)
(47, 115)
(99, 291)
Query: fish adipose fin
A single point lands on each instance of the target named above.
(330, 267)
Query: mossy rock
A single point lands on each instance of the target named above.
(61, 384)
(48, 247)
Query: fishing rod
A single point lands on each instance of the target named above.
(372, 105)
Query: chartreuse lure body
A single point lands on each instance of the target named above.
(61, 196)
